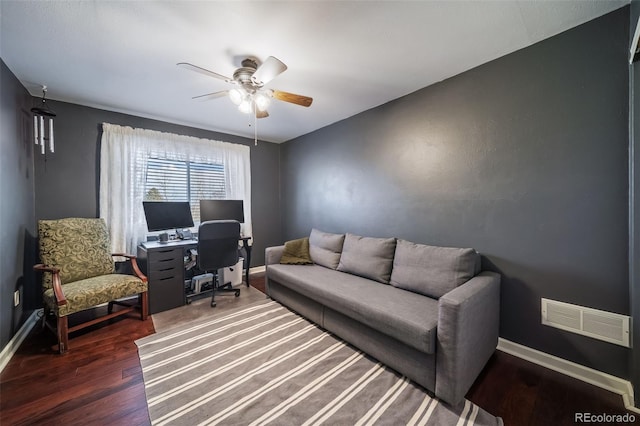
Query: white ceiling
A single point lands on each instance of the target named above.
(349, 56)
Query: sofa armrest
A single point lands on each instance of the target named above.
(468, 326)
(272, 256)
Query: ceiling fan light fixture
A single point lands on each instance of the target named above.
(236, 96)
(246, 106)
(262, 101)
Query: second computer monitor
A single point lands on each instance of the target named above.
(221, 210)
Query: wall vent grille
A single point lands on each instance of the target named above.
(602, 325)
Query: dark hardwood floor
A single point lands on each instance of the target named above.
(523, 393)
(99, 381)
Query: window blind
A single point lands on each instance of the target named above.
(179, 180)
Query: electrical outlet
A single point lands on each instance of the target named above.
(16, 298)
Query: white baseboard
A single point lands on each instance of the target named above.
(257, 270)
(597, 378)
(13, 345)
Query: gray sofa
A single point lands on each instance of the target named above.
(427, 312)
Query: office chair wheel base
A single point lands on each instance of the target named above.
(237, 293)
(213, 304)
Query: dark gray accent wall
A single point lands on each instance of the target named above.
(634, 206)
(524, 158)
(67, 182)
(16, 204)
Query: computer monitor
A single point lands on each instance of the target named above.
(221, 210)
(163, 215)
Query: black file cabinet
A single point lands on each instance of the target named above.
(164, 267)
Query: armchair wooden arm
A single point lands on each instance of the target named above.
(57, 285)
(134, 265)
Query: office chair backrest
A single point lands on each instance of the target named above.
(218, 244)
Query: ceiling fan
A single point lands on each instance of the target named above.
(250, 95)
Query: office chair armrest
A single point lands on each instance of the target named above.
(134, 264)
(57, 284)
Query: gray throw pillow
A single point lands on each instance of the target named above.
(325, 248)
(430, 270)
(368, 257)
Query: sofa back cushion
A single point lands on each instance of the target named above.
(432, 271)
(368, 257)
(325, 248)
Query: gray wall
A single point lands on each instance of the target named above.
(67, 182)
(524, 158)
(16, 204)
(634, 194)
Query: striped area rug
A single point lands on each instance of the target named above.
(264, 364)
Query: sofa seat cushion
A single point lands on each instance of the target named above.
(408, 317)
(88, 293)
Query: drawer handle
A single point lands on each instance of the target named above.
(164, 279)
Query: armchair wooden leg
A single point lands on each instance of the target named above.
(144, 305)
(63, 334)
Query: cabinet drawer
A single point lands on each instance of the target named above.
(164, 294)
(165, 264)
(165, 255)
(164, 274)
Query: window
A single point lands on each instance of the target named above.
(178, 180)
(138, 165)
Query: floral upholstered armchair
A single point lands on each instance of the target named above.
(79, 274)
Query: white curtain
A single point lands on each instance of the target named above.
(123, 164)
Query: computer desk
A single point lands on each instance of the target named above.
(163, 263)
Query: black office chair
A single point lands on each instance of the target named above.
(217, 249)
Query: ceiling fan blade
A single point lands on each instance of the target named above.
(210, 96)
(204, 71)
(261, 114)
(269, 70)
(305, 101)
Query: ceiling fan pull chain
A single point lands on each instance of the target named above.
(255, 126)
